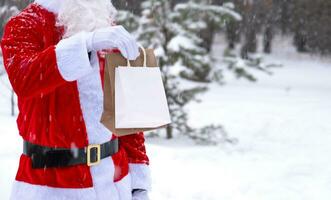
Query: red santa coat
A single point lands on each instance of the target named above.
(60, 102)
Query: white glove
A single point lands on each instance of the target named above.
(140, 195)
(113, 37)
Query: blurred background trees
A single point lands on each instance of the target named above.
(307, 22)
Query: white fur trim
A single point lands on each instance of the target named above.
(120, 190)
(26, 191)
(51, 5)
(140, 176)
(91, 101)
(72, 57)
(124, 188)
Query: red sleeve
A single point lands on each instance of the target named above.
(32, 68)
(134, 146)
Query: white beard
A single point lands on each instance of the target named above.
(85, 15)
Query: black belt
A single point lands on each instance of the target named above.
(47, 157)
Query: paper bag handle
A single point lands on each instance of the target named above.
(145, 57)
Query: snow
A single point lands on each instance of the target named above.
(179, 42)
(284, 131)
(282, 123)
(10, 144)
(226, 9)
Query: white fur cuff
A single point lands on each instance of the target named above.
(72, 57)
(140, 176)
(26, 191)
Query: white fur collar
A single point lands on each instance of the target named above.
(51, 5)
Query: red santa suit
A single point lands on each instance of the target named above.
(60, 100)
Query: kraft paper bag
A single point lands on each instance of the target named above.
(134, 97)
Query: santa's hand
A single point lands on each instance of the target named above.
(113, 37)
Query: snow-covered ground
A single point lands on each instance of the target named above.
(282, 122)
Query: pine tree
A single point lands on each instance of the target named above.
(160, 30)
(186, 64)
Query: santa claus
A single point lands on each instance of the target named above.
(50, 52)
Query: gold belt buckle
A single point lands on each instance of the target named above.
(89, 148)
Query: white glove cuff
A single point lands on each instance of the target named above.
(89, 41)
(72, 57)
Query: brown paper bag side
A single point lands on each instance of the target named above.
(114, 60)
